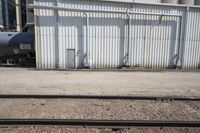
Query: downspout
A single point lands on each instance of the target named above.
(184, 31)
(57, 62)
(129, 40)
(86, 64)
(18, 15)
(178, 61)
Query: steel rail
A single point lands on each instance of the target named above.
(102, 123)
(30, 96)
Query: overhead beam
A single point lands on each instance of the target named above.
(35, 6)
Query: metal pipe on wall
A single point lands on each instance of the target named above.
(178, 62)
(184, 30)
(86, 39)
(57, 37)
(18, 15)
(129, 39)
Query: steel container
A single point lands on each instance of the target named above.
(147, 1)
(170, 1)
(197, 2)
(187, 2)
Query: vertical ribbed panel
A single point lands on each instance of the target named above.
(170, 1)
(45, 40)
(187, 2)
(153, 43)
(147, 1)
(137, 1)
(192, 41)
(105, 36)
(70, 34)
(106, 40)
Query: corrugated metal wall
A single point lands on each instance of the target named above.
(192, 40)
(153, 43)
(105, 44)
(137, 1)
(70, 32)
(45, 35)
(147, 1)
(106, 40)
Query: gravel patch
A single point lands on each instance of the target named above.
(64, 129)
(99, 109)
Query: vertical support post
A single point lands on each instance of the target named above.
(182, 48)
(129, 40)
(56, 37)
(38, 56)
(178, 61)
(18, 15)
(86, 39)
(5, 14)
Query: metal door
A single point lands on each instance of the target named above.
(70, 58)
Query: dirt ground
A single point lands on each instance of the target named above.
(64, 129)
(30, 81)
(99, 109)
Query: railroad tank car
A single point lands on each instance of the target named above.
(17, 47)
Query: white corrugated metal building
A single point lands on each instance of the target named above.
(108, 34)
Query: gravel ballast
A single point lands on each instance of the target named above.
(100, 109)
(64, 129)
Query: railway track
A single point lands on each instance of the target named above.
(100, 123)
(170, 98)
